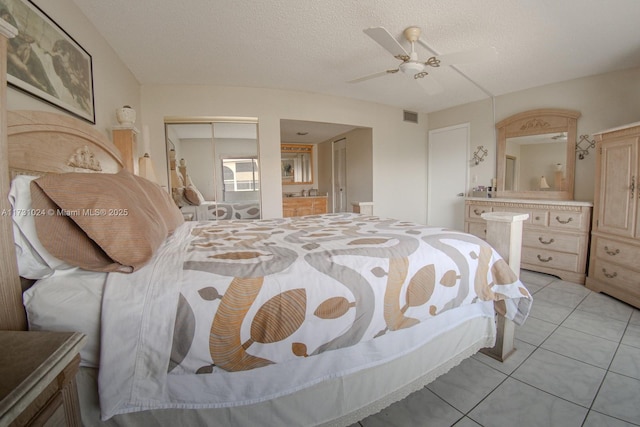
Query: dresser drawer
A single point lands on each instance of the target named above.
(476, 211)
(619, 253)
(566, 220)
(553, 241)
(540, 218)
(617, 276)
(550, 259)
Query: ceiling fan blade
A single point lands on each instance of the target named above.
(430, 85)
(372, 76)
(386, 40)
(481, 54)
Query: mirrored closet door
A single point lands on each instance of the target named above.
(214, 167)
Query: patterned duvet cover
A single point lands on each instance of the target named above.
(226, 299)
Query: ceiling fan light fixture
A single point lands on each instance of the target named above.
(412, 67)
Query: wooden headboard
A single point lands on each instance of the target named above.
(40, 143)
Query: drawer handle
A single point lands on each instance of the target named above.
(609, 275)
(548, 242)
(564, 222)
(537, 218)
(544, 260)
(610, 252)
(477, 212)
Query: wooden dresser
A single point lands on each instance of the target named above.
(555, 238)
(614, 266)
(299, 206)
(38, 371)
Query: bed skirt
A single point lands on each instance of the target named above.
(358, 395)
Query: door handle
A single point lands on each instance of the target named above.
(460, 194)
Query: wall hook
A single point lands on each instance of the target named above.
(583, 150)
(479, 154)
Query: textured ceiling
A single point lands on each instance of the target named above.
(317, 46)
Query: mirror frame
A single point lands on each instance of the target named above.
(536, 122)
(297, 148)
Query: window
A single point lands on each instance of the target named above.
(240, 174)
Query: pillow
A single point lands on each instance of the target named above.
(34, 261)
(193, 196)
(102, 222)
(69, 301)
(163, 203)
(178, 197)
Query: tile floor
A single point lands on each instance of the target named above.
(577, 364)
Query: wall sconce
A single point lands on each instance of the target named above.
(583, 150)
(479, 154)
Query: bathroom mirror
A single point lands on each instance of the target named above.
(536, 154)
(296, 161)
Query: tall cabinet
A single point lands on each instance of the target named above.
(614, 266)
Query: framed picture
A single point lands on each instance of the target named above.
(46, 62)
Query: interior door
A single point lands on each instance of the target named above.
(340, 176)
(448, 168)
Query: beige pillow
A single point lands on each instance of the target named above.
(102, 222)
(163, 202)
(193, 195)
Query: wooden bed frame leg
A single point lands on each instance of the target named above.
(504, 233)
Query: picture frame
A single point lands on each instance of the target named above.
(44, 61)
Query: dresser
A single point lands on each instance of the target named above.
(555, 237)
(299, 206)
(614, 266)
(38, 371)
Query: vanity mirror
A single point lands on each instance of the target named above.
(296, 161)
(536, 154)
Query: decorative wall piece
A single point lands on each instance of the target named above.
(583, 146)
(46, 62)
(479, 154)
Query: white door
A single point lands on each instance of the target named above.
(340, 176)
(448, 168)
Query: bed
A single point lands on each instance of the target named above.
(243, 322)
(194, 205)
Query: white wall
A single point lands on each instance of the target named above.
(114, 85)
(396, 145)
(605, 101)
(199, 157)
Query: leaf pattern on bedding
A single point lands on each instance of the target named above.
(481, 282)
(278, 318)
(333, 308)
(502, 273)
(184, 332)
(224, 341)
(421, 287)
(359, 277)
(393, 314)
(450, 278)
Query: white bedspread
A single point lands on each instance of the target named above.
(138, 369)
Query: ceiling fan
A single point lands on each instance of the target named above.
(410, 64)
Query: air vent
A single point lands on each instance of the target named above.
(410, 116)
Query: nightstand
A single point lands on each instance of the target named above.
(38, 372)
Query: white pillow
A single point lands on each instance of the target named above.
(34, 261)
(69, 301)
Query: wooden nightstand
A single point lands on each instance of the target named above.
(38, 378)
